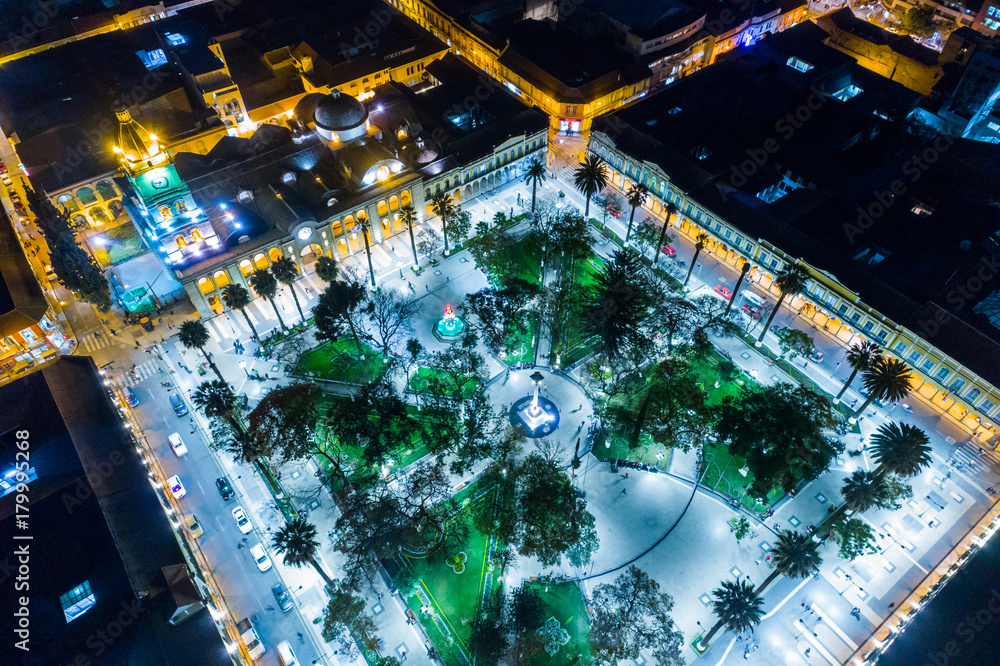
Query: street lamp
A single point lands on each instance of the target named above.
(243, 364)
(940, 507)
(851, 584)
(399, 264)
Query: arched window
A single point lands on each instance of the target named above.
(69, 203)
(246, 267)
(206, 286)
(393, 202)
(99, 216)
(245, 195)
(973, 395)
(288, 177)
(181, 242)
(180, 207)
(116, 208)
(86, 196)
(165, 212)
(957, 385)
(260, 261)
(196, 236)
(383, 208)
(274, 254)
(221, 279)
(106, 190)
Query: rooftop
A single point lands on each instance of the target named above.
(21, 300)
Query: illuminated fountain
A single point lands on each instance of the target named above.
(535, 415)
(449, 327)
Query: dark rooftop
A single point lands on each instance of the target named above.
(21, 300)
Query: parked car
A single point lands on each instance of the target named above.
(128, 395)
(242, 522)
(250, 638)
(177, 444)
(176, 487)
(260, 557)
(281, 597)
(194, 526)
(285, 655)
(669, 251)
(751, 311)
(815, 355)
(225, 489)
(722, 291)
(180, 409)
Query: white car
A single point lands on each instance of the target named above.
(176, 487)
(260, 557)
(177, 444)
(242, 522)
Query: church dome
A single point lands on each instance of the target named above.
(337, 113)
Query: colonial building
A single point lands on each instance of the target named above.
(838, 189)
(340, 169)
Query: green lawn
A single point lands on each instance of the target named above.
(564, 602)
(722, 473)
(339, 361)
(449, 594)
(117, 245)
(420, 380)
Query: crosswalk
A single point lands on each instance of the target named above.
(143, 371)
(967, 456)
(90, 343)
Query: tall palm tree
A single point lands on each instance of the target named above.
(236, 297)
(700, 240)
(744, 269)
(366, 226)
(738, 607)
(590, 178)
(327, 269)
(794, 555)
(443, 208)
(887, 379)
(790, 281)
(286, 272)
(863, 491)
(217, 400)
(409, 217)
(636, 197)
(194, 335)
(671, 210)
(901, 449)
(534, 174)
(263, 282)
(861, 356)
(298, 545)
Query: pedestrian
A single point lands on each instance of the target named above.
(113, 332)
(758, 561)
(161, 321)
(97, 334)
(623, 492)
(892, 605)
(427, 287)
(626, 475)
(982, 452)
(808, 650)
(136, 344)
(447, 278)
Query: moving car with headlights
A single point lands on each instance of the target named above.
(261, 558)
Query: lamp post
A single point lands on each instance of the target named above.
(243, 364)
(851, 584)
(939, 506)
(399, 264)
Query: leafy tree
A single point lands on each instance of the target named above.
(444, 208)
(700, 241)
(266, 286)
(459, 225)
(580, 553)
(671, 211)
(298, 546)
(887, 380)
(794, 555)
(901, 449)
(194, 335)
(217, 400)
(285, 421)
(792, 341)
(497, 252)
(534, 174)
(524, 611)
(780, 431)
(856, 539)
(236, 297)
(336, 310)
(590, 178)
(742, 529)
(676, 318)
(409, 218)
(636, 197)
(790, 281)
(631, 614)
(917, 20)
(727, 371)
(617, 305)
(559, 307)
(75, 268)
(861, 356)
(345, 615)
(550, 515)
(488, 642)
(327, 269)
(428, 242)
(570, 236)
(370, 522)
(391, 312)
(286, 271)
(375, 420)
(501, 312)
(738, 607)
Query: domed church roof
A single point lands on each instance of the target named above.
(337, 112)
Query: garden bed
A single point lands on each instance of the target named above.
(564, 602)
(338, 361)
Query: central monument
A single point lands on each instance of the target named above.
(535, 416)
